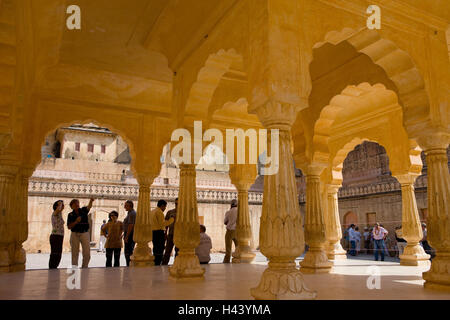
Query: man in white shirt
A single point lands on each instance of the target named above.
(379, 234)
(204, 247)
(230, 236)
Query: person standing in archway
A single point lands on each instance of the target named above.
(352, 237)
(78, 223)
(159, 225)
(57, 235)
(113, 244)
(128, 229)
(103, 234)
(230, 236)
(379, 234)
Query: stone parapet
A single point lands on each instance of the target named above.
(111, 191)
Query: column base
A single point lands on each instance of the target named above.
(18, 258)
(414, 255)
(243, 254)
(336, 252)
(17, 267)
(186, 266)
(438, 277)
(282, 281)
(142, 256)
(316, 261)
(5, 262)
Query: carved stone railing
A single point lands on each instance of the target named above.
(80, 176)
(207, 183)
(123, 192)
(357, 191)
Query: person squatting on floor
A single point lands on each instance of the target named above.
(159, 225)
(204, 247)
(57, 235)
(113, 244)
(128, 230)
(230, 236)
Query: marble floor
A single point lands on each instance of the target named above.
(347, 281)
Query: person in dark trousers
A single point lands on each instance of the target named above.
(57, 235)
(78, 223)
(401, 243)
(169, 235)
(159, 224)
(379, 235)
(113, 245)
(426, 246)
(230, 235)
(128, 230)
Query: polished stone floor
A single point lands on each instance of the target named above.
(348, 281)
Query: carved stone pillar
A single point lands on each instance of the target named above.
(281, 230)
(413, 255)
(316, 259)
(438, 220)
(243, 176)
(142, 255)
(7, 193)
(20, 218)
(333, 225)
(187, 228)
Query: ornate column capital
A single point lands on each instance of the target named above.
(8, 170)
(434, 141)
(243, 175)
(5, 139)
(406, 179)
(333, 188)
(275, 114)
(146, 179)
(314, 170)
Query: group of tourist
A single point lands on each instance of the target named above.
(369, 240)
(376, 240)
(115, 234)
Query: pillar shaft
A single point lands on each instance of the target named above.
(413, 255)
(316, 259)
(243, 176)
(438, 223)
(281, 237)
(143, 233)
(7, 193)
(333, 225)
(20, 219)
(187, 228)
